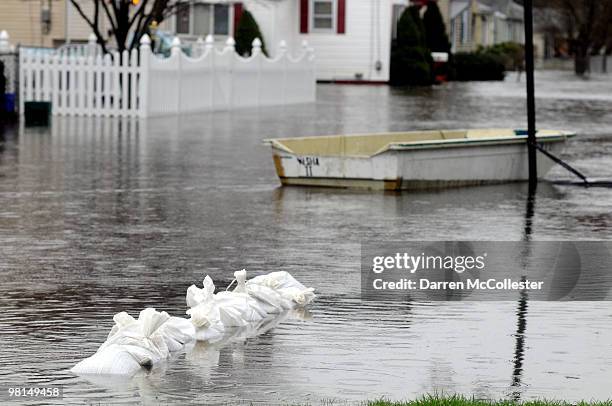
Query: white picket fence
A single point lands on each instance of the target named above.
(140, 83)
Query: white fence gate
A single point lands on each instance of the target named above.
(139, 83)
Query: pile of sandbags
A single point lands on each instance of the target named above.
(139, 344)
(249, 303)
(136, 344)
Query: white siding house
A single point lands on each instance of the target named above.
(475, 23)
(351, 38)
(357, 43)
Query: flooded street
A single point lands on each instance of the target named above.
(99, 216)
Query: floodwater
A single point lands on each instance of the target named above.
(99, 216)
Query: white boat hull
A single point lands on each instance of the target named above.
(409, 167)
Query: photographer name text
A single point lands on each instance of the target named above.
(468, 284)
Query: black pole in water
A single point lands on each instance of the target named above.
(531, 122)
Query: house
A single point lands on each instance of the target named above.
(43, 23)
(474, 23)
(351, 38)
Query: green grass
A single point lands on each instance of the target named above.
(458, 400)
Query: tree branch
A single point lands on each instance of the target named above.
(108, 15)
(91, 23)
(138, 14)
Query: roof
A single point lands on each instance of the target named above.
(508, 8)
(457, 7)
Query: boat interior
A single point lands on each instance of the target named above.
(360, 145)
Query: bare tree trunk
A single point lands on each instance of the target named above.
(581, 59)
(128, 21)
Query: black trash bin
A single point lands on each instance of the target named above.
(37, 113)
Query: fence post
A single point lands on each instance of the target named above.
(210, 55)
(116, 92)
(134, 72)
(257, 56)
(55, 84)
(304, 73)
(282, 58)
(5, 45)
(22, 82)
(92, 43)
(308, 61)
(91, 92)
(230, 47)
(145, 55)
(107, 83)
(175, 52)
(198, 47)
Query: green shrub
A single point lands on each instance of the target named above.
(246, 32)
(477, 66)
(410, 59)
(435, 31)
(511, 54)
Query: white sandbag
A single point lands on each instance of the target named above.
(206, 318)
(136, 344)
(209, 314)
(250, 311)
(178, 332)
(195, 295)
(111, 360)
(224, 309)
(246, 307)
(269, 299)
(286, 285)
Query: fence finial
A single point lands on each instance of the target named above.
(145, 43)
(4, 41)
(92, 44)
(230, 43)
(145, 40)
(282, 47)
(175, 47)
(307, 49)
(256, 46)
(209, 42)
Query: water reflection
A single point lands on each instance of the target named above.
(102, 215)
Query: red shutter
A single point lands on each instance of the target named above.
(237, 15)
(303, 16)
(341, 25)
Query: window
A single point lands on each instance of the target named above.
(323, 17)
(182, 19)
(200, 19)
(221, 19)
(465, 21)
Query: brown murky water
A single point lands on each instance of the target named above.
(99, 216)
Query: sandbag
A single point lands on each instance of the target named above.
(136, 344)
(286, 285)
(269, 299)
(224, 309)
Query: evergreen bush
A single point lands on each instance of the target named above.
(410, 58)
(477, 66)
(435, 30)
(246, 31)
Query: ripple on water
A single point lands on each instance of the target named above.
(93, 222)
